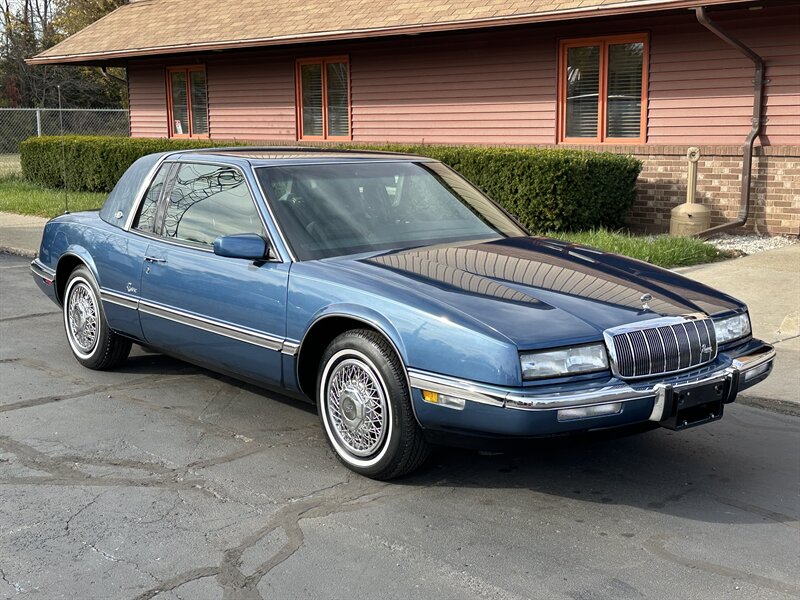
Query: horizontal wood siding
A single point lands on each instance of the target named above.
(500, 87)
(147, 97)
(701, 90)
(480, 89)
(252, 98)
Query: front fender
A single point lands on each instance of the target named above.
(368, 316)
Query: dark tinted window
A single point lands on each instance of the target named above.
(147, 211)
(209, 201)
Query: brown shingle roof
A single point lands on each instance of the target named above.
(153, 27)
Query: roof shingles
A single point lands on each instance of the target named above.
(150, 27)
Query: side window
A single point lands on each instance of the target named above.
(208, 201)
(146, 218)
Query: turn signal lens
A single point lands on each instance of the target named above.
(443, 400)
(430, 396)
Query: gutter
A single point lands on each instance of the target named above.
(758, 121)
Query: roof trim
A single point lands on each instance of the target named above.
(324, 36)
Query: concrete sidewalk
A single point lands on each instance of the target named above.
(769, 282)
(20, 234)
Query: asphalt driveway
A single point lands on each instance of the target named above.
(162, 480)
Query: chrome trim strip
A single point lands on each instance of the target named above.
(119, 299)
(241, 334)
(752, 361)
(537, 400)
(140, 193)
(290, 348)
(455, 387)
(43, 271)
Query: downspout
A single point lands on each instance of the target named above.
(758, 100)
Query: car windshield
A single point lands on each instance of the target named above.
(346, 208)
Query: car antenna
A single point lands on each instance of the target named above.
(63, 151)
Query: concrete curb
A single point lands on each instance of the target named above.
(17, 252)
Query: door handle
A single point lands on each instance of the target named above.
(153, 259)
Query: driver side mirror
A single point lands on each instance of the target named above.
(250, 246)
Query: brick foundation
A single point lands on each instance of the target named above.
(774, 200)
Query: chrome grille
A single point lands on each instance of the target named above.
(669, 345)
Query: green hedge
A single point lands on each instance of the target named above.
(546, 189)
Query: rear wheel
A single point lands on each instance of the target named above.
(365, 407)
(93, 343)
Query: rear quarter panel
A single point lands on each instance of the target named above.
(114, 256)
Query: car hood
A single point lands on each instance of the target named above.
(539, 292)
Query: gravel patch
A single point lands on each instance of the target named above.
(750, 244)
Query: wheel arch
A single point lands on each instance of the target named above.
(325, 328)
(67, 263)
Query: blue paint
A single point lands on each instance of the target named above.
(464, 310)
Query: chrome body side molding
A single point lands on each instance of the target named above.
(241, 334)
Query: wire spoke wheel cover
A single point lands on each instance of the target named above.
(82, 317)
(365, 407)
(356, 407)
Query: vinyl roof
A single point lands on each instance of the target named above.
(159, 27)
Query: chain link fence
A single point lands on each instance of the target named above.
(18, 124)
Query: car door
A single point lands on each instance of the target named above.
(119, 261)
(228, 313)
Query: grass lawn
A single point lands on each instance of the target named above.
(661, 250)
(24, 198)
(21, 197)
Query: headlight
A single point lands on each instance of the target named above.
(732, 328)
(567, 361)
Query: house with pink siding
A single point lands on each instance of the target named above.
(650, 78)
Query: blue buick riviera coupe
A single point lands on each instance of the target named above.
(394, 295)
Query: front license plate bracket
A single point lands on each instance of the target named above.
(693, 406)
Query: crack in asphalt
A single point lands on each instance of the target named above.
(64, 470)
(17, 587)
(75, 514)
(345, 496)
(30, 316)
(658, 545)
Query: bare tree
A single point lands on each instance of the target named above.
(28, 27)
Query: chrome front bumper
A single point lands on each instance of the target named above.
(734, 376)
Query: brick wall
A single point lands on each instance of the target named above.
(774, 198)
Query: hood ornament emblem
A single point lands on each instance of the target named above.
(645, 299)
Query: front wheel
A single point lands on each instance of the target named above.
(365, 407)
(93, 343)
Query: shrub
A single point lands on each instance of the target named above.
(93, 163)
(546, 189)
